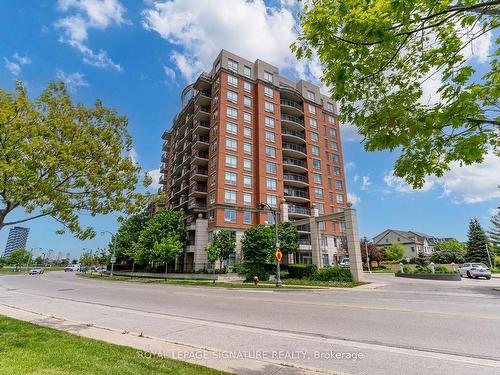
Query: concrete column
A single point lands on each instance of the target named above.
(239, 253)
(317, 258)
(353, 247)
(284, 211)
(200, 243)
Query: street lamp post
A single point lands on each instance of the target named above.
(277, 244)
(367, 256)
(113, 257)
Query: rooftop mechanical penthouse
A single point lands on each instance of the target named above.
(247, 135)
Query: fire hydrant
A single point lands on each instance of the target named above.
(256, 280)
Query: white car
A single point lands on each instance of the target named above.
(345, 263)
(475, 270)
(36, 271)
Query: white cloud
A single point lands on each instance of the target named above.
(133, 155)
(366, 183)
(467, 184)
(349, 133)
(72, 80)
(355, 178)
(89, 14)
(155, 175)
(350, 165)
(15, 65)
(353, 198)
(201, 28)
(479, 48)
(170, 73)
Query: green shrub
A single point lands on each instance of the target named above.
(495, 270)
(421, 269)
(413, 260)
(332, 274)
(441, 269)
(240, 268)
(300, 271)
(407, 270)
(258, 270)
(447, 256)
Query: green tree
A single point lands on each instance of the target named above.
(61, 159)
(395, 251)
(213, 254)
(226, 242)
(378, 54)
(2, 262)
(477, 243)
(494, 232)
(288, 238)
(451, 245)
(87, 258)
(163, 238)
(18, 257)
(258, 244)
(38, 260)
(127, 237)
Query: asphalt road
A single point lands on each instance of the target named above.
(402, 327)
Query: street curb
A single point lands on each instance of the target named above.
(157, 347)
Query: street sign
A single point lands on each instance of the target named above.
(278, 254)
(113, 259)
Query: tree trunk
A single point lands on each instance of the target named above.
(166, 270)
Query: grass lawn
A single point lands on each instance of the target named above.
(27, 348)
(287, 283)
(6, 270)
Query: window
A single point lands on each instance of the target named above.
(340, 198)
(247, 164)
(334, 146)
(231, 144)
(314, 137)
(247, 132)
(216, 114)
(269, 121)
(317, 178)
(215, 130)
(316, 164)
(247, 181)
(230, 196)
(247, 217)
(310, 95)
(213, 162)
(247, 72)
(232, 80)
(213, 146)
(213, 178)
(270, 218)
(329, 107)
(212, 197)
(338, 184)
(247, 148)
(270, 137)
(232, 96)
(269, 107)
(247, 117)
(231, 161)
(268, 91)
(217, 65)
(330, 186)
(272, 200)
(268, 76)
(247, 101)
(270, 151)
(331, 120)
(233, 65)
(313, 123)
(312, 109)
(271, 184)
(318, 193)
(336, 171)
(247, 199)
(231, 128)
(335, 158)
(328, 169)
(230, 215)
(321, 208)
(315, 150)
(270, 167)
(333, 133)
(247, 86)
(342, 226)
(231, 178)
(232, 112)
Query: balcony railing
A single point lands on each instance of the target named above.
(200, 138)
(297, 162)
(198, 188)
(293, 132)
(291, 103)
(303, 241)
(294, 147)
(291, 118)
(198, 170)
(294, 177)
(202, 108)
(204, 124)
(200, 154)
(295, 193)
(299, 210)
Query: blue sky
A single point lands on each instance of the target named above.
(136, 56)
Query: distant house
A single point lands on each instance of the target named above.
(413, 242)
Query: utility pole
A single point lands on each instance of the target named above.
(367, 256)
(277, 244)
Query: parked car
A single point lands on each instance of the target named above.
(71, 268)
(475, 270)
(345, 263)
(84, 269)
(36, 271)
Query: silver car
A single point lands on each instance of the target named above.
(475, 270)
(36, 271)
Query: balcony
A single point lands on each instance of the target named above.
(292, 122)
(201, 127)
(163, 168)
(198, 190)
(298, 211)
(296, 180)
(201, 113)
(197, 205)
(294, 165)
(295, 195)
(203, 97)
(291, 107)
(199, 173)
(200, 142)
(304, 244)
(165, 134)
(164, 157)
(200, 158)
(291, 149)
(291, 135)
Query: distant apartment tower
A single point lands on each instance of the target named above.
(18, 236)
(247, 135)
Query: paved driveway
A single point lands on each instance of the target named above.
(402, 326)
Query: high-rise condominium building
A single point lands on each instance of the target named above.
(18, 236)
(245, 136)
